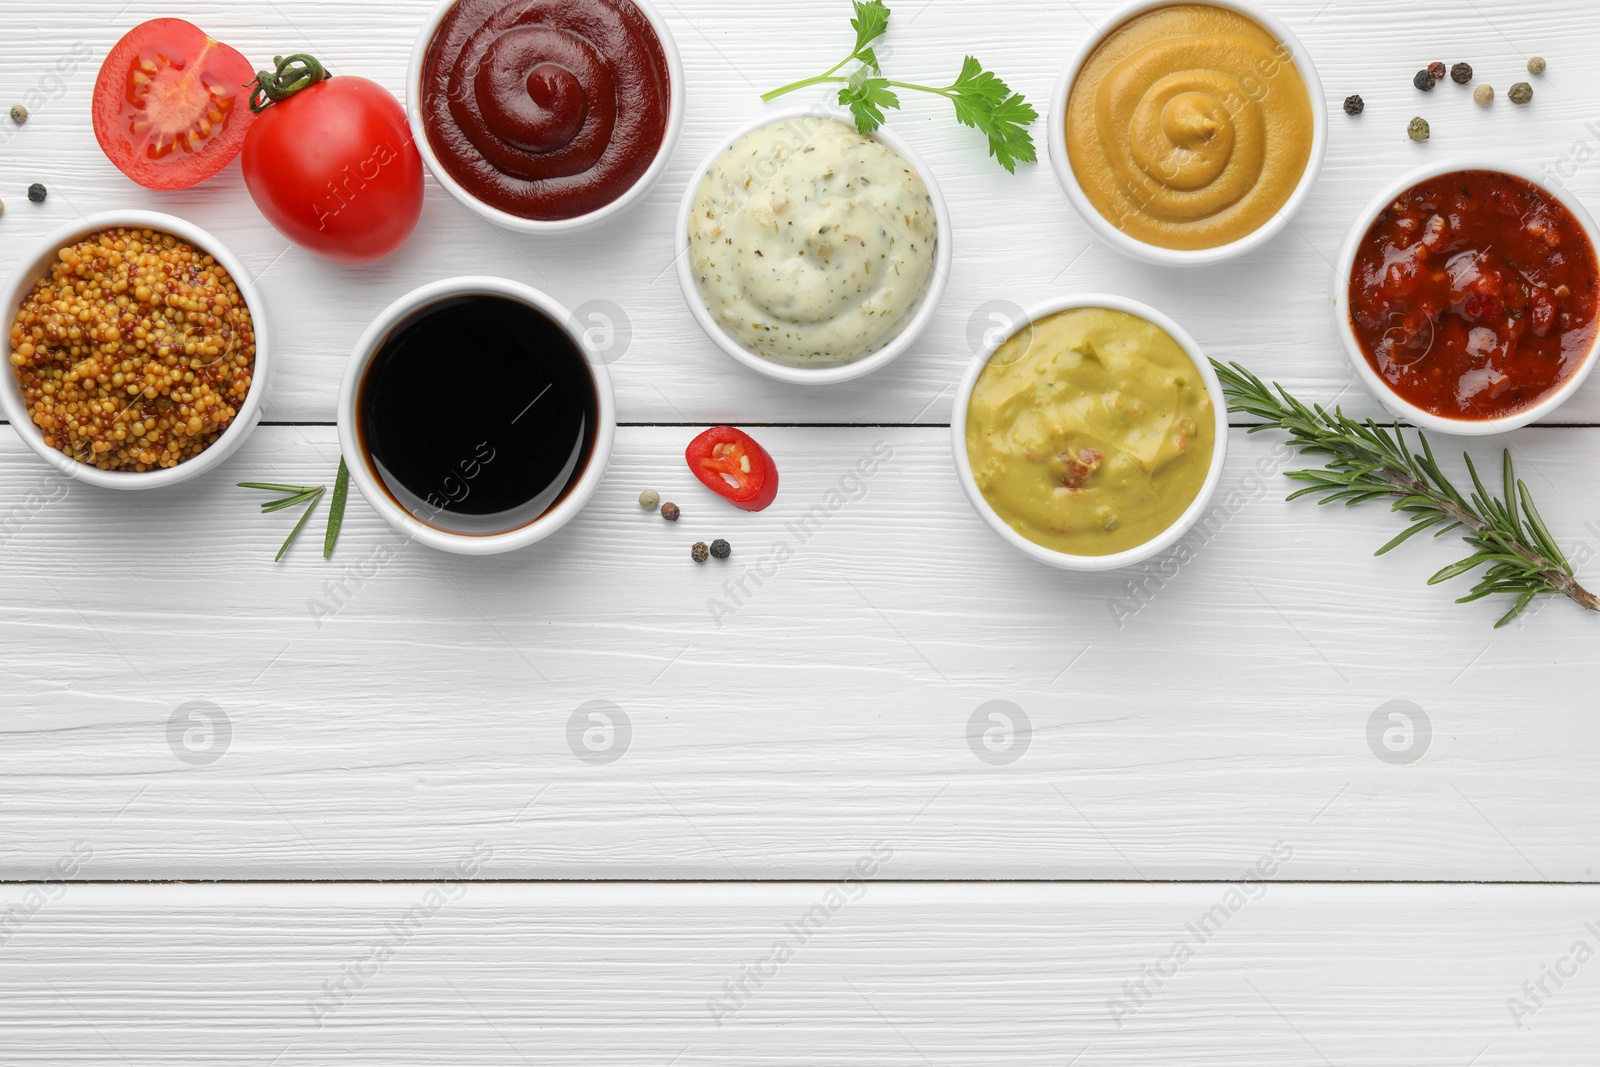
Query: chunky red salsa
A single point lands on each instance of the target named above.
(1474, 295)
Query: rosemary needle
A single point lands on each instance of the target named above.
(309, 495)
(316, 499)
(341, 491)
(1363, 461)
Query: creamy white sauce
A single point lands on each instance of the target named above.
(812, 245)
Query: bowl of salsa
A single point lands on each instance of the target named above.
(1470, 297)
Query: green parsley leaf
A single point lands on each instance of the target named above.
(866, 98)
(872, 19)
(981, 99)
(985, 102)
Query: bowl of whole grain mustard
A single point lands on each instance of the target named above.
(1188, 133)
(1093, 435)
(137, 350)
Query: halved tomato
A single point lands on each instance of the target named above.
(171, 105)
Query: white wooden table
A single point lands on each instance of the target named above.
(322, 812)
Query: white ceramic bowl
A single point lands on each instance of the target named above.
(419, 134)
(841, 372)
(360, 463)
(1066, 560)
(1352, 347)
(35, 264)
(1150, 253)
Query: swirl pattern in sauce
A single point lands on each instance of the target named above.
(1189, 127)
(546, 109)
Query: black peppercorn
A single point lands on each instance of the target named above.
(1436, 70)
(699, 552)
(721, 549)
(1354, 105)
(37, 193)
(1424, 81)
(1461, 73)
(669, 511)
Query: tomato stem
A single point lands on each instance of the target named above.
(293, 73)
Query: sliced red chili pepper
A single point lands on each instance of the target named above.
(730, 463)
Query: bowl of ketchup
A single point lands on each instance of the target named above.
(545, 116)
(1469, 295)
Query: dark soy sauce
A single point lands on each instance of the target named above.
(478, 413)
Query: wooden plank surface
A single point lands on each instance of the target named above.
(846, 972)
(1016, 239)
(389, 705)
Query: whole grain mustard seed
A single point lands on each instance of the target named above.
(649, 499)
(19, 114)
(1521, 93)
(1483, 95)
(134, 352)
(1536, 65)
(1418, 129)
(699, 552)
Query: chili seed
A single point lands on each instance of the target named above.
(1483, 94)
(1461, 73)
(700, 552)
(1536, 65)
(1423, 81)
(1354, 105)
(1436, 70)
(649, 499)
(1521, 93)
(721, 549)
(1418, 129)
(669, 511)
(19, 114)
(37, 193)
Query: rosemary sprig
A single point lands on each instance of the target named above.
(310, 495)
(1363, 461)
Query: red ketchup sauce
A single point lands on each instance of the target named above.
(1474, 295)
(545, 109)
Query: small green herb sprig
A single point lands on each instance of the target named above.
(980, 98)
(1364, 461)
(309, 495)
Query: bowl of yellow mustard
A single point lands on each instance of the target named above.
(1188, 133)
(1092, 436)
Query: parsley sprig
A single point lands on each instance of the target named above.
(1362, 461)
(981, 99)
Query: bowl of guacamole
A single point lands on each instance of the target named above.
(1091, 435)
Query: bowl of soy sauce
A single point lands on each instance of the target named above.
(474, 416)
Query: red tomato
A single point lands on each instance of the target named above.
(334, 169)
(170, 105)
(730, 463)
